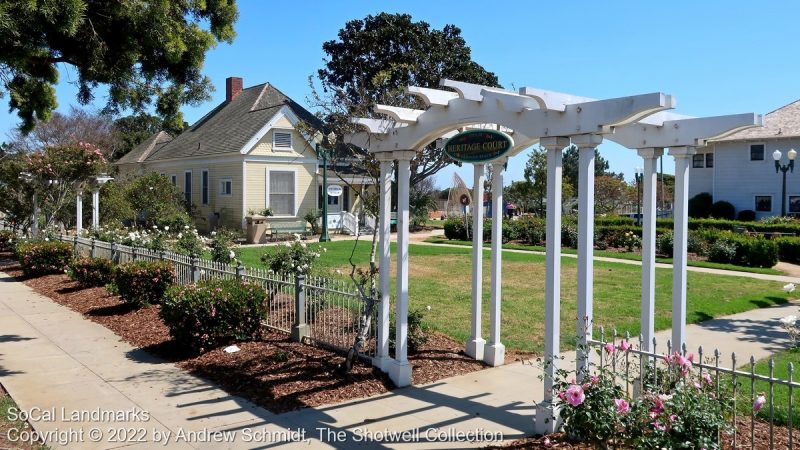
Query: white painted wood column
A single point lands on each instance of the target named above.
(545, 411)
(683, 156)
(95, 208)
(648, 311)
(586, 144)
(382, 358)
(495, 352)
(400, 370)
(476, 343)
(79, 212)
(35, 216)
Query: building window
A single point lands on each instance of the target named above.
(709, 160)
(697, 161)
(794, 204)
(281, 193)
(763, 203)
(757, 152)
(225, 187)
(204, 187)
(187, 186)
(174, 179)
(281, 140)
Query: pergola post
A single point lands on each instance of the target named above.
(650, 159)
(476, 343)
(382, 358)
(400, 370)
(586, 144)
(682, 157)
(35, 216)
(495, 352)
(95, 207)
(545, 410)
(79, 212)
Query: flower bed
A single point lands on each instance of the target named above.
(44, 257)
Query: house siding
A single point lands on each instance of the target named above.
(305, 187)
(300, 147)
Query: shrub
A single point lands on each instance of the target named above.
(417, 331)
(7, 239)
(664, 244)
(722, 251)
(214, 312)
(788, 249)
(91, 272)
(189, 242)
(723, 210)
(756, 252)
(746, 215)
(455, 228)
(696, 243)
(312, 217)
(700, 205)
(222, 246)
(292, 258)
(44, 257)
(569, 235)
(143, 282)
(530, 230)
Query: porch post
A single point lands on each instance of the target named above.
(650, 158)
(476, 343)
(95, 207)
(495, 352)
(79, 212)
(586, 145)
(382, 358)
(545, 412)
(682, 157)
(400, 370)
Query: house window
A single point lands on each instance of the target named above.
(763, 203)
(282, 140)
(204, 187)
(187, 186)
(282, 193)
(225, 187)
(697, 161)
(757, 152)
(709, 160)
(794, 204)
(174, 179)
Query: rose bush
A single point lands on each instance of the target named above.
(91, 272)
(43, 257)
(143, 282)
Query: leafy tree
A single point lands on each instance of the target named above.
(536, 175)
(521, 194)
(133, 130)
(611, 194)
(151, 199)
(145, 52)
(421, 202)
(569, 164)
(15, 198)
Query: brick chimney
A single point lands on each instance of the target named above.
(233, 87)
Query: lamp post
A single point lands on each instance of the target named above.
(639, 176)
(776, 155)
(322, 151)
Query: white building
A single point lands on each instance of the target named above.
(740, 168)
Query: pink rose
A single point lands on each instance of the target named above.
(659, 426)
(707, 378)
(575, 395)
(624, 346)
(623, 407)
(610, 348)
(759, 402)
(595, 379)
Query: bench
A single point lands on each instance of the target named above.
(279, 228)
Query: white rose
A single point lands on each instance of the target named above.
(180, 235)
(186, 227)
(789, 320)
(166, 228)
(213, 233)
(232, 254)
(789, 288)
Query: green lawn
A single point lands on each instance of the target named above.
(440, 278)
(7, 411)
(780, 396)
(617, 255)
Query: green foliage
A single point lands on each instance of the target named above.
(135, 129)
(530, 230)
(758, 252)
(418, 333)
(150, 199)
(723, 250)
(15, 196)
(569, 164)
(723, 210)
(312, 217)
(43, 257)
(222, 246)
(7, 240)
(700, 205)
(697, 243)
(214, 312)
(746, 215)
(266, 212)
(143, 282)
(762, 226)
(160, 57)
(569, 234)
(189, 242)
(91, 272)
(664, 244)
(788, 249)
(421, 203)
(292, 258)
(455, 228)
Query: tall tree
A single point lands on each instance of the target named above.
(536, 175)
(145, 52)
(132, 130)
(611, 194)
(569, 165)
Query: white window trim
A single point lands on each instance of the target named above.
(222, 182)
(205, 189)
(291, 140)
(789, 203)
(191, 182)
(703, 166)
(266, 200)
(749, 152)
(174, 179)
(771, 203)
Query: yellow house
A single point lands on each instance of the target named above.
(247, 154)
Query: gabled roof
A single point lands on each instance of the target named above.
(230, 125)
(145, 148)
(784, 122)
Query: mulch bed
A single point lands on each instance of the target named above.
(273, 372)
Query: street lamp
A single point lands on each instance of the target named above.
(322, 151)
(639, 176)
(776, 155)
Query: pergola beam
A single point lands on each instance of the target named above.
(683, 132)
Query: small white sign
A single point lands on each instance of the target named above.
(334, 190)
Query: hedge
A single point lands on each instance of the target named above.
(44, 257)
(143, 282)
(7, 238)
(729, 225)
(788, 249)
(92, 272)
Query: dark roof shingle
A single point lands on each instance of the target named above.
(145, 148)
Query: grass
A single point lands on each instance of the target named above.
(617, 255)
(433, 223)
(780, 395)
(7, 406)
(440, 277)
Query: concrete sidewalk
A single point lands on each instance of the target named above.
(53, 358)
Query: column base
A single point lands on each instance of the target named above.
(382, 363)
(494, 355)
(547, 420)
(300, 331)
(474, 348)
(400, 373)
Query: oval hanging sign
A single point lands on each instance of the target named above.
(478, 145)
(334, 190)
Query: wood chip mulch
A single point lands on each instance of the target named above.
(273, 372)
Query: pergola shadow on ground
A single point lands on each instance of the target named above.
(554, 121)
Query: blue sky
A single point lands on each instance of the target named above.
(716, 57)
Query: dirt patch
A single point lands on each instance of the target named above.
(273, 372)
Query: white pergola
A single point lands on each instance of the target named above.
(554, 121)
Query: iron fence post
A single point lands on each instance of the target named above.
(93, 252)
(300, 329)
(240, 270)
(195, 271)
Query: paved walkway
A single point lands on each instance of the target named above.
(52, 359)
